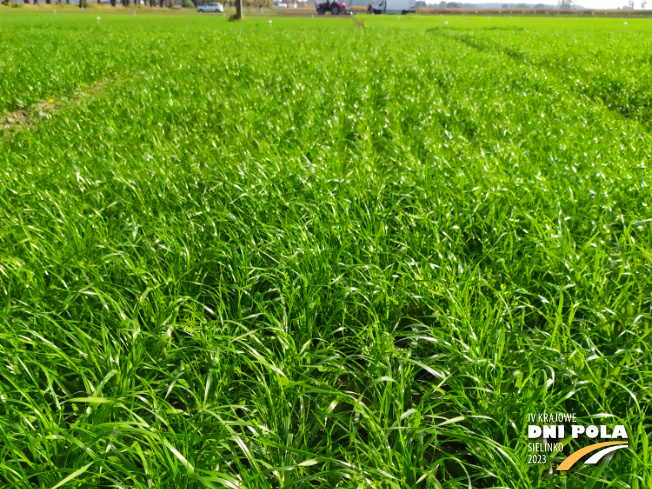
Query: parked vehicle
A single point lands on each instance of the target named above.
(210, 7)
(393, 7)
(335, 7)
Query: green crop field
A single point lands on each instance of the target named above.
(355, 253)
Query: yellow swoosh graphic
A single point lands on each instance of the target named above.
(570, 460)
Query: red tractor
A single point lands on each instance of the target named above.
(334, 7)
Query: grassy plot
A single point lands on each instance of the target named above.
(307, 254)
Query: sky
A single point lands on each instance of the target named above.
(608, 3)
(588, 4)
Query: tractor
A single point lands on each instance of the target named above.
(332, 6)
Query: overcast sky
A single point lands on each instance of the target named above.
(607, 3)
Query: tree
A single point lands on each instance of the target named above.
(643, 4)
(239, 15)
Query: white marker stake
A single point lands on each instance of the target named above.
(98, 21)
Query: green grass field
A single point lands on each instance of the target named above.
(308, 253)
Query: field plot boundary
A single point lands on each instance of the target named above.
(520, 58)
(28, 117)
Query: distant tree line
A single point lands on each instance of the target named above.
(154, 3)
(114, 3)
(82, 3)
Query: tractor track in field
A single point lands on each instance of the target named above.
(521, 58)
(26, 118)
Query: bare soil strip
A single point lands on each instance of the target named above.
(26, 118)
